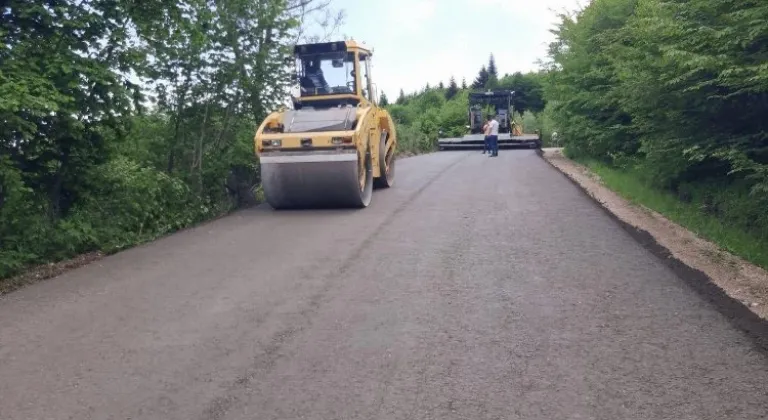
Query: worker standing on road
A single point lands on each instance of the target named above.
(493, 136)
(486, 138)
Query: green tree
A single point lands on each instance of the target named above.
(452, 90)
(482, 79)
(585, 85)
(383, 101)
(401, 98)
(706, 89)
(493, 73)
(529, 91)
(63, 95)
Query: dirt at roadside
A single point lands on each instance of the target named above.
(46, 271)
(738, 278)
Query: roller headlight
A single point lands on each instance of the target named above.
(272, 143)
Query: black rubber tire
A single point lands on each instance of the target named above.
(366, 194)
(388, 179)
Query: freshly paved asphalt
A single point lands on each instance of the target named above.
(476, 288)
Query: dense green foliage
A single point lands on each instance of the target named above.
(675, 92)
(125, 120)
(422, 116)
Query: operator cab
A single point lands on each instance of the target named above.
(498, 103)
(328, 75)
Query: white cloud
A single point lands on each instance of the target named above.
(431, 66)
(412, 17)
(531, 10)
(425, 41)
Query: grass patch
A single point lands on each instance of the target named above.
(720, 214)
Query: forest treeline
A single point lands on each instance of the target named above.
(123, 120)
(674, 93)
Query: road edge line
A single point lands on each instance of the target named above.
(735, 311)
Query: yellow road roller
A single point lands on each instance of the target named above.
(336, 145)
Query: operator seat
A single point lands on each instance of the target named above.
(314, 79)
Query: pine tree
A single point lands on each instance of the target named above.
(482, 79)
(401, 98)
(453, 89)
(440, 85)
(492, 70)
(492, 82)
(383, 101)
(463, 83)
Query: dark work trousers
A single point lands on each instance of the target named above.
(494, 143)
(487, 144)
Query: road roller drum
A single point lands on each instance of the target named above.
(316, 180)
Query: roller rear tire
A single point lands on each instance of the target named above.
(387, 171)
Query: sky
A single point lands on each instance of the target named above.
(427, 41)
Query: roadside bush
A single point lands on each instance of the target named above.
(126, 204)
(131, 204)
(19, 219)
(731, 203)
(410, 140)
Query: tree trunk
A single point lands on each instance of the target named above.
(198, 159)
(54, 194)
(177, 123)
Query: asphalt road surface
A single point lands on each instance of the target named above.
(476, 288)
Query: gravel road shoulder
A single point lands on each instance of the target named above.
(743, 283)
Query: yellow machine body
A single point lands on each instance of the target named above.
(337, 144)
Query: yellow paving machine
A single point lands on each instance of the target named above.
(336, 145)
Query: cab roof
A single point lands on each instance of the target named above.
(331, 47)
